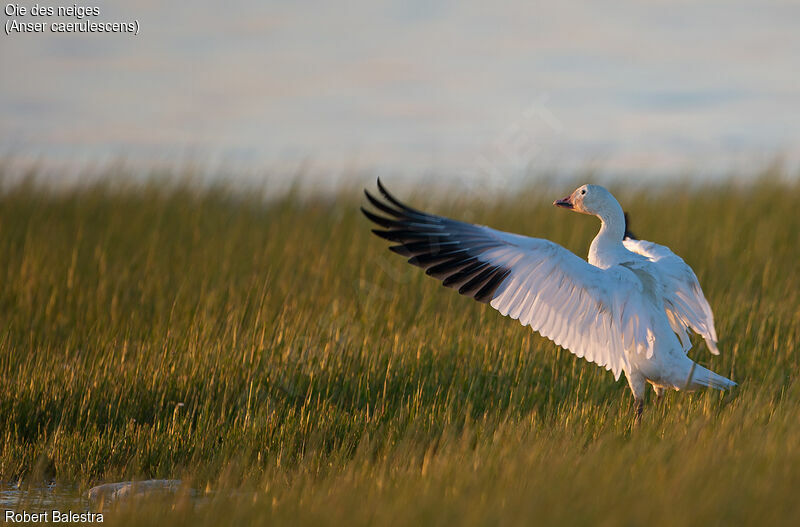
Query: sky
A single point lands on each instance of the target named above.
(411, 88)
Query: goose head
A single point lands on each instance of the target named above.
(588, 199)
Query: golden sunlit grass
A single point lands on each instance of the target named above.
(275, 353)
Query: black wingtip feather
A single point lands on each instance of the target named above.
(402, 250)
(448, 250)
(380, 220)
(434, 257)
(460, 273)
(386, 235)
(486, 293)
(476, 283)
(397, 202)
(378, 204)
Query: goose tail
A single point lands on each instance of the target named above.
(700, 376)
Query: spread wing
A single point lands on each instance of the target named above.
(685, 304)
(597, 314)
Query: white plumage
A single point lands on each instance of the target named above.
(628, 309)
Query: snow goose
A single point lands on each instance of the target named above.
(627, 309)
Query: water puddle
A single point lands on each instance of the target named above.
(46, 498)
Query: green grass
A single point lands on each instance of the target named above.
(275, 353)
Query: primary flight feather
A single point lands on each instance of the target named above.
(627, 309)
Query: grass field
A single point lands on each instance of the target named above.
(274, 355)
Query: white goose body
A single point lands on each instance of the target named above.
(627, 309)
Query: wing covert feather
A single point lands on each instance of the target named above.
(685, 304)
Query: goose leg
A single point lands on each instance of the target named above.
(659, 394)
(637, 383)
(639, 409)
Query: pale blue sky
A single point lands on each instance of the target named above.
(467, 88)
